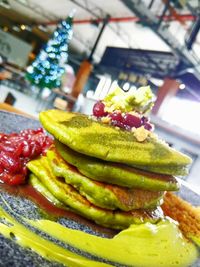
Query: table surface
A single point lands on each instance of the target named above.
(7, 107)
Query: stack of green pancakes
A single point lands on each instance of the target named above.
(103, 173)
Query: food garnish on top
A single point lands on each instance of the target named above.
(127, 110)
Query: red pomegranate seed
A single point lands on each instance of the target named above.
(24, 170)
(9, 162)
(116, 116)
(132, 121)
(26, 149)
(118, 124)
(5, 177)
(39, 130)
(16, 179)
(1, 169)
(6, 148)
(16, 149)
(148, 126)
(98, 109)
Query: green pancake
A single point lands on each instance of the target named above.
(70, 197)
(102, 141)
(115, 173)
(102, 194)
(38, 186)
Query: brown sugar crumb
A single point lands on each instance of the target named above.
(183, 212)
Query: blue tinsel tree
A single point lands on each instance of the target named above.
(47, 69)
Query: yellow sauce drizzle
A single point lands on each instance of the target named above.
(47, 249)
(144, 245)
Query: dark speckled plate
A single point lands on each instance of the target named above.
(12, 255)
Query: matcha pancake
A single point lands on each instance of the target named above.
(109, 143)
(115, 173)
(102, 194)
(70, 197)
(38, 186)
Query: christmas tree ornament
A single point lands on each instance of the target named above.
(47, 69)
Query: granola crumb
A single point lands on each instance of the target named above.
(141, 134)
(106, 119)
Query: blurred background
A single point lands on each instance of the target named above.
(68, 54)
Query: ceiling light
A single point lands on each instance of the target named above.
(23, 27)
(5, 28)
(182, 86)
(16, 28)
(42, 28)
(126, 86)
(28, 28)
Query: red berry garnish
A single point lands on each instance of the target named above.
(132, 121)
(98, 109)
(118, 124)
(116, 116)
(16, 179)
(16, 149)
(148, 126)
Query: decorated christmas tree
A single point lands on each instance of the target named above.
(48, 67)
